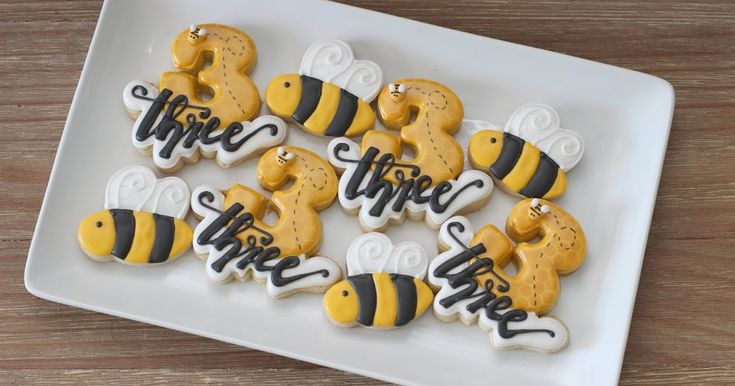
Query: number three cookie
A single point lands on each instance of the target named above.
(236, 243)
(474, 287)
(381, 186)
(176, 125)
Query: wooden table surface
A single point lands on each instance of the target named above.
(683, 327)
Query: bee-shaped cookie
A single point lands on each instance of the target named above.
(531, 156)
(143, 221)
(331, 94)
(384, 287)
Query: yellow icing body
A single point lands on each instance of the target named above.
(234, 96)
(438, 114)
(298, 229)
(387, 307)
(316, 105)
(135, 238)
(374, 300)
(143, 235)
(560, 251)
(488, 149)
(524, 168)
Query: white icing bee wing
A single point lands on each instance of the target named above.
(374, 252)
(170, 198)
(137, 188)
(539, 125)
(130, 188)
(333, 61)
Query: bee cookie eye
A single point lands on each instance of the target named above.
(345, 293)
(286, 84)
(545, 209)
(99, 224)
(493, 140)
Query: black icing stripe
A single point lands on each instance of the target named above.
(509, 154)
(406, 293)
(343, 117)
(311, 91)
(164, 238)
(124, 232)
(543, 179)
(366, 297)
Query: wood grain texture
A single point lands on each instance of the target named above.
(683, 328)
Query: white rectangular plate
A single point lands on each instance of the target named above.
(624, 117)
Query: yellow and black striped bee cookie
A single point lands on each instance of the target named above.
(331, 94)
(384, 287)
(531, 156)
(143, 223)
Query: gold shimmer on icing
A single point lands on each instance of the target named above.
(298, 229)
(234, 96)
(438, 114)
(560, 251)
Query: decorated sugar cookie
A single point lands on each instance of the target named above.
(175, 125)
(331, 94)
(235, 96)
(236, 243)
(385, 285)
(531, 156)
(474, 287)
(143, 221)
(379, 184)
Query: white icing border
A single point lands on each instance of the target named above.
(536, 342)
(231, 271)
(260, 141)
(363, 203)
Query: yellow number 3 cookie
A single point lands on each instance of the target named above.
(232, 53)
(176, 122)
